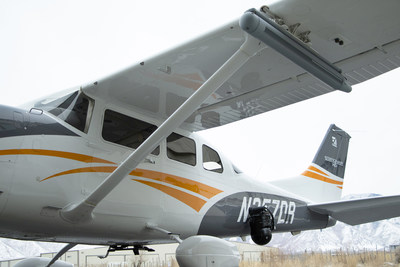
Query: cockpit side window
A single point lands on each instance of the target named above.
(75, 109)
(127, 131)
(181, 148)
(211, 160)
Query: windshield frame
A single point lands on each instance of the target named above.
(75, 108)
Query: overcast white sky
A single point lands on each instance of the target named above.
(47, 46)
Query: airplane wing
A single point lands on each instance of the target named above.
(361, 38)
(358, 211)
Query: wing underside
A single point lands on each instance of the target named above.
(361, 39)
(358, 211)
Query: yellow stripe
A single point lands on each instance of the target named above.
(196, 187)
(190, 200)
(321, 178)
(312, 168)
(54, 153)
(106, 169)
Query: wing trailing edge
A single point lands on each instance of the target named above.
(359, 211)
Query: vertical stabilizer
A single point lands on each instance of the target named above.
(323, 180)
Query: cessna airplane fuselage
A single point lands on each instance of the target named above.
(46, 163)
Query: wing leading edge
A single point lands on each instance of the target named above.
(359, 211)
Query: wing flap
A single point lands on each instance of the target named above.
(359, 211)
(357, 69)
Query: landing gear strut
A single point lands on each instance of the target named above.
(261, 224)
(135, 249)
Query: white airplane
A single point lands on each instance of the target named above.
(117, 162)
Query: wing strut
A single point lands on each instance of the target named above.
(82, 212)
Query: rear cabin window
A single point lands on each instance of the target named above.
(181, 148)
(127, 131)
(75, 109)
(211, 160)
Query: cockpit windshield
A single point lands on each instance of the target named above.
(74, 108)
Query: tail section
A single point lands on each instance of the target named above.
(332, 153)
(323, 180)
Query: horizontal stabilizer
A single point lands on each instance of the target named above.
(358, 211)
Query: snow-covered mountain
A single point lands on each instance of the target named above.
(370, 236)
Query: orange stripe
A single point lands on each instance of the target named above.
(196, 187)
(192, 201)
(54, 153)
(107, 169)
(321, 178)
(312, 168)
